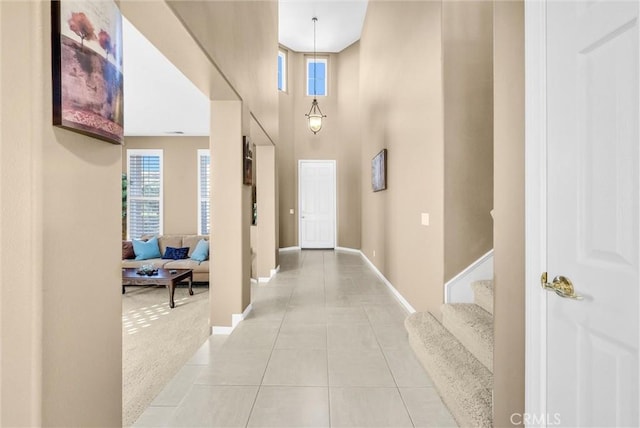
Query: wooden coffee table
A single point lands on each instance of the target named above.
(167, 277)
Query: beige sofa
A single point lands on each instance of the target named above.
(200, 269)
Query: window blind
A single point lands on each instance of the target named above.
(204, 192)
(144, 196)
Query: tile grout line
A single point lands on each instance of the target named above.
(326, 332)
(386, 360)
(266, 367)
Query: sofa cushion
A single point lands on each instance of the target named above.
(166, 241)
(197, 267)
(157, 263)
(192, 240)
(146, 250)
(127, 250)
(201, 253)
(176, 253)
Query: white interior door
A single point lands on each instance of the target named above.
(317, 203)
(592, 212)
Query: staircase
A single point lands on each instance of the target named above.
(458, 354)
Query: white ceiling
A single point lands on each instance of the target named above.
(160, 101)
(339, 24)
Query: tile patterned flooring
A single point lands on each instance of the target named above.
(325, 345)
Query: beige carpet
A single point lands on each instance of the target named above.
(157, 341)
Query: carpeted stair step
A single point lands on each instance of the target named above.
(473, 327)
(463, 382)
(483, 294)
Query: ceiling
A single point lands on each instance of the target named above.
(160, 101)
(339, 24)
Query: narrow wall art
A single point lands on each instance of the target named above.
(379, 171)
(87, 68)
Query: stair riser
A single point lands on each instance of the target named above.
(461, 380)
(483, 295)
(469, 338)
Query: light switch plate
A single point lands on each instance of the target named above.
(425, 219)
(291, 211)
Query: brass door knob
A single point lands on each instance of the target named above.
(561, 285)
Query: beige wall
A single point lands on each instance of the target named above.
(338, 140)
(509, 238)
(231, 216)
(467, 40)
(180, 178)
(287, 165)
(401, 110)
(265, 244)
(241, 37)
(60, 196)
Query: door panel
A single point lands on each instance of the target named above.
(317, 204)
(593, 191)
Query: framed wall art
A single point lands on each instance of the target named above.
(86, 43)
(379, 171)
(247, 161)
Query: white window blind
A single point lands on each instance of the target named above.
(204, 192)
(144, 196)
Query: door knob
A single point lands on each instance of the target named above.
(561, 285)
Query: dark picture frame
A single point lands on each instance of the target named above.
(247, 161)
(379, 171)
(87, 78)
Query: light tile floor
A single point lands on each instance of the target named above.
(325, 345)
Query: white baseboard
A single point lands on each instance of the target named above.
(401, 299)
(235, 320)
(348, 250)
(285, 249)
(273, 272)
(458, 289)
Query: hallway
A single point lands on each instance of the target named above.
(324, 345)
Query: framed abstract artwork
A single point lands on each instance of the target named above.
(379, 171)
(87, 68)
(247, 161)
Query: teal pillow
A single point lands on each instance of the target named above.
(201, 253)
(146, 250)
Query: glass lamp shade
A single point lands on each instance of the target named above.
(315, 117)
(315, 123)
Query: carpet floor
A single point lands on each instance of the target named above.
(157, 341)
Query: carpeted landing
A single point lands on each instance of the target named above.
(458, 354)
(157, 341)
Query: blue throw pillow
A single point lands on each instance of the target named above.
(146, 250)
(201, 253)
(176, 253)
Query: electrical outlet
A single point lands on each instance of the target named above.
(291, 211)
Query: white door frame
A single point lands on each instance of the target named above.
(535, 208)
(335, 199)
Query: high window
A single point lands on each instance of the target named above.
(317, 77)
(282, 71)
(144, 193)
(204, 192)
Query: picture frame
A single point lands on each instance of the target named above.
(87, 73)
(247, 161)
(379, 171)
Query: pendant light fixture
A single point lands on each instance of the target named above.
(315, 116)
